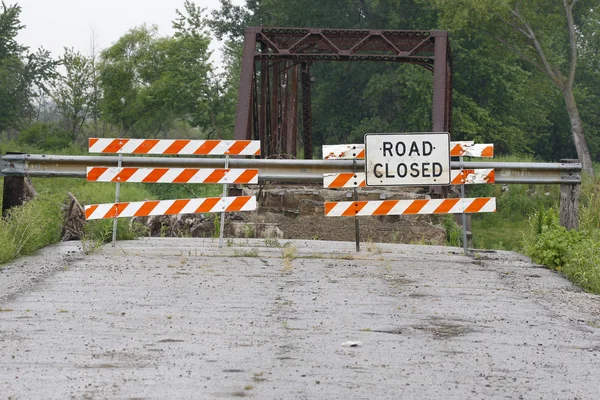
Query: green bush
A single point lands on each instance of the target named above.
(46, 136)
(575, 253)
(583, 267)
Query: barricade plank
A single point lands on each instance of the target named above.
(175, 146)
(357, 151)
(170, 207)
(410, 207)
(173, 175)
(458, 177)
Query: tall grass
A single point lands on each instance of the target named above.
(28, 228)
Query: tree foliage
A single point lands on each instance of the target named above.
(21, 71)
(499, 95)
(150, 81)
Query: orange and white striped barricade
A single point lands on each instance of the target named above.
(175, 147)
(173, 175)
(409, 207)
(357, 151)
(170, 207)
(458, 177)
(223, 176)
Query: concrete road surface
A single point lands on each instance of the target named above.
(183, 319)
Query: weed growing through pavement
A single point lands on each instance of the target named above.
(272, 243)
(289, 252)
(246, 253)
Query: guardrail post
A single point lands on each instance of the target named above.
(569, 202)
(13, 192)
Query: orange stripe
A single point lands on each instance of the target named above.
(354, 208)
(415, 206)
(124, 175)
(176, 147)
(446, 206)
(247, 176)
(361, 155)
(457, 151)
(488, 152)
(146, 146)
(459, 178)
(207, 147)
(238, 203)
(177, 206)
(238, 147)
(155, 175)
(146, 208)
(115, 146)
(92, 141)
(216, 176)
(90, 210)
(208, 204)
(385, 207)
(116, 210)
(257, 152)
(95, 173)
(186, 175)
(477, 205)
(491, 178)
(341, 180)
(329, 206)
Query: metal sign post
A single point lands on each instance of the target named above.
(222, 224)
(464, 216)
(356, 225)
(117, 194)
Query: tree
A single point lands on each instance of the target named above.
(150, 81)
(20, 70)
(73, 92)
(543, 33)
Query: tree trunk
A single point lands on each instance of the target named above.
(583, 152)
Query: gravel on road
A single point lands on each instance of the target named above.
(167, 318)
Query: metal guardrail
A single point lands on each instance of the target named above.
(289, 170)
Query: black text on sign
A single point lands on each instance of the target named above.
(407, 159)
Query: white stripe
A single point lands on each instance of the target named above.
(101, 211)
(161, 147)
(191, 206)
(192, 146)
(370, 207)
(130, 146)
(169, 176)
(98, 146)
(221, 148)
(400, 207)
(162, 207)
(431, 206)
(252, 148)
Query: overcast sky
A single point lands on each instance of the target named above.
(55, 24)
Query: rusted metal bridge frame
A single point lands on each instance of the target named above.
(268, 96)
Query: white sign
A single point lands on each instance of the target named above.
(407, 159)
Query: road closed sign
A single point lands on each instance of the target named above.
(407, 159)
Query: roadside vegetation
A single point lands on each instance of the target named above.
(517, 83)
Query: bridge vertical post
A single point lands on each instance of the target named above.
(13, 192)
(569, 202)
